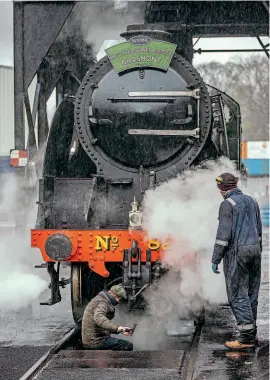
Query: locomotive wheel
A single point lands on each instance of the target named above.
(85, 285)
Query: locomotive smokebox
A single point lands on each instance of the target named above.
(144, 98)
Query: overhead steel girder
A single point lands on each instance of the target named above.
(208, 30)
(38, 23)
(36, 26)
(210, 18)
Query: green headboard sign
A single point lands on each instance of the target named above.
(141, 51)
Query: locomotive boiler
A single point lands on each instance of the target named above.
(141, 116)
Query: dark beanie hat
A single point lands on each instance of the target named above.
(226, 182)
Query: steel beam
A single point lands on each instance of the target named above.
(263, 46)
(208, 30)
(33, 21)
(19, 128)
(31, 144)
(199, 51)
(42, 22)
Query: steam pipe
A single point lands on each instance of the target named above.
(129, 264)
(139, 292)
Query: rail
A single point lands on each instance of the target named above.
(85, 359)
(40, 363)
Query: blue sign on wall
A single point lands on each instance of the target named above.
(257, 167)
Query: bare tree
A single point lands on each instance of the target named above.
(247, 81)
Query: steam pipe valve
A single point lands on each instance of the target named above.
(135, 216)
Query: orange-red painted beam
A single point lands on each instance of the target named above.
(100, 246)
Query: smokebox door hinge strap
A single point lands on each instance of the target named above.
(165, 132)
(193, 93)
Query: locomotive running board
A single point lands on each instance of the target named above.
(164, 132)
(194, 94)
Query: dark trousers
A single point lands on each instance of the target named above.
(115, 344)
(242, 270)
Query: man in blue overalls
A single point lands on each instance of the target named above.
(239, 244)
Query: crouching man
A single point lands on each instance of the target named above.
(97, 325)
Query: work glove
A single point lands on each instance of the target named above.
(124, 330)
(215, 268)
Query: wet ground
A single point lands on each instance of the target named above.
(16, 360)
(27, 333)
(89, 365)
(37, 325)
(215, 362)
(212, 361)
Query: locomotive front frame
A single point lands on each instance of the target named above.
(98, 247)
(126, 254)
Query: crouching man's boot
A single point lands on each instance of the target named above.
(246, 338)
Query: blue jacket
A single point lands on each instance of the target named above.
(239, 224)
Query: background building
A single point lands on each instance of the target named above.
(255, 155)
(6, 116)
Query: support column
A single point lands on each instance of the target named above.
(19, 126)
(184, 44)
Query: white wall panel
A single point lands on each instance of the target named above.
(258, 149)
(6, 110)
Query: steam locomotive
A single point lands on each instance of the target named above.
(141, 116)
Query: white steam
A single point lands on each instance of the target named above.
(100, 21)
(20, 285)
(186, 208)
(120, 5)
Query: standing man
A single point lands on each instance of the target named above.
(239, 244)
(96, 322)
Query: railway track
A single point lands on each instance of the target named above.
(200, 355)
(48, 356)
(62, 362)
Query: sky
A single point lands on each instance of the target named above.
(6, 41)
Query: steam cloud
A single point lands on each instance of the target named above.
(105, 20)
(186, 208)
(19, 286)
(120, 5)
